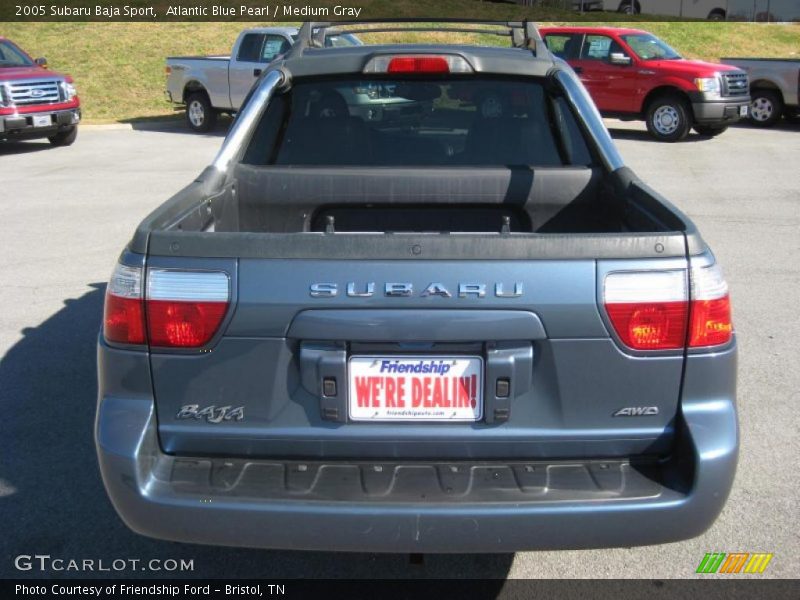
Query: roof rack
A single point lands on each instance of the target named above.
(523, 34)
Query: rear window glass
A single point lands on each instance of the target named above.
(382, 122)
(250, 48)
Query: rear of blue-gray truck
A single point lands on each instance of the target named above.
(417, 305)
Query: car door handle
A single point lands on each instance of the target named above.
(256, 72)
(578, 69)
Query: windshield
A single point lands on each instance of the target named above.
(430, 122)
(11, 56)
(649, 47)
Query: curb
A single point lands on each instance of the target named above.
(139, 126)
(158, 126)
(106, 126)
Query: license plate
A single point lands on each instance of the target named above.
(415, 388)
(742, 111)
(42, 120)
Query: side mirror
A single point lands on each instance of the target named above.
(42, 62)
(619, 58)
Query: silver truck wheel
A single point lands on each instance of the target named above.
(196, 113)
(765, 108)
(200, 115)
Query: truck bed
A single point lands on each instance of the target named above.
(198, 57)
(560, 212)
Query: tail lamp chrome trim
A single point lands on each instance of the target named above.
(188, 286)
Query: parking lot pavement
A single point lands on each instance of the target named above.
(67, 213)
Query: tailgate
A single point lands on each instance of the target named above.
(292, 363)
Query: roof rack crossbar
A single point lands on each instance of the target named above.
(427, 29)
(524, 34)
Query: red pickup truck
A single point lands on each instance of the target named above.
(34, 101)
(631, 74)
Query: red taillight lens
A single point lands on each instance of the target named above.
(183, 324)
(418, 64)
(123, 321)
(711, 323)
(123, 315)
(650, 325)
(185, 308)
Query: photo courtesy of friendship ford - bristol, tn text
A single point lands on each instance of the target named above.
(480, 294)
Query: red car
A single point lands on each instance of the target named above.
(35, 102)
(631, 74)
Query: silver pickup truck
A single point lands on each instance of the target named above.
(774, 88)
(209, 85)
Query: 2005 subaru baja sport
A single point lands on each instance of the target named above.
(417, 304)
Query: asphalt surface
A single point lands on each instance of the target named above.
(68, 212)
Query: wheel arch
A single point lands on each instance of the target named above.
(193, 86)
(764, 84)
(664, 90)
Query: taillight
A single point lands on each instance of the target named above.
(710, 323)
(185, 308)
(123, 318)
(654, 310)
(418, 64)
(648, 309)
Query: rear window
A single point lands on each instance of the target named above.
(380, 122)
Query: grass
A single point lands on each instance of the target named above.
(119, 67)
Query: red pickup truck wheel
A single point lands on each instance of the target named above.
(64, 138)
(668, 118)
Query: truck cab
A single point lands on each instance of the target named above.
(35, 102)
(631, 74)
(253, 49)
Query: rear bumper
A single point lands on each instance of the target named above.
(724, 111)
(414, 506)
(22, 125)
